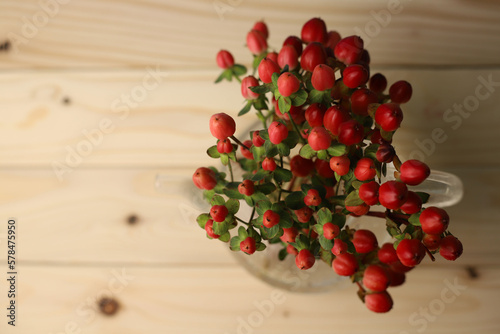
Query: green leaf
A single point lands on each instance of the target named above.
(262, 206)
(260, 175)
(299, 98)
(202, 219)
(324, 216)
(307, 152)
(258, 153)
(282, 175)
(325, 243)
(257, 60)
(274, 78)
(371, 151)
(234, 245)
(266, 188)
(242, 233)
(248, 165)
(260, 247)
(226, 74)
(270, 233)
(232, 156)
(233, 205)
(339, 220)
(224, 159)
(225, 237)
(238, 70)
(262, 89)
(246, 108)
(315, 96)
(386, 135)
(220, 228)
(326, 256)
(353, 199)
(282, 254)
(292, 140)
(213, 153)
(217, 200)
(323, 155)
(356, 184)
(318, 228)
(260, 103)
(302, 242)
(372, 108)
(286, 221)
(270, 149)
(337, 150)
(284, 103)
(415, 219)
(283, 149)
(423, 196)
(295, 200)
(233, 193)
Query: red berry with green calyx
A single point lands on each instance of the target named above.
(400, 92)
(389, 116)
(323, 77)
(351, 132)
(365, 169)
(376, 138)
(288, 57)
(295, 42)
(451, 248)
(222, 126)
(224, 146)
(270, 218)
(314, 54)
(224, 59)
(332, 38)
(392, 194)
(246, 188)
(289, 234)
(314, 114)
(364, 241)
(209, 229)
(312, 198)
(219, 213)
(262, 27)
(246, 84)
(277, 132)
(331, 231)
(304, 260)
(380, 302)
(413, 203)
(333, 118)
(358, 210)
(323, 168)
(304, 214)
(410, 252)
(361, 99)
(378, 83)
(385, 153)
(340, 165)
(256, 42)
(300, 166)
(345, 264)
(339, 247)
(387, 254)
(204, 178)
(257, 140)
(314, 30)
(432, 241)
(247, 153)
(368, 192)
(434, 220)
(292, 250)
(288, 84)
(349, 49)
(376, 278)
(266, 69)
(269, 164)
(354, 76)
(248, 245)
(319, 139)
(413, 172)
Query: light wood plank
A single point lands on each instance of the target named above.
(188, 34)
(169, 127)
(84, 218)
(218, 300)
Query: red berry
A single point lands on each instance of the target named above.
(295, 42)
(257, 140)
(246, 188)
(247, 153)
(399, 267)
(224, 146)
(304, 260)
(332, 39)
(389, 116)
(351, 132)
(368, 192)
(345, 264)
(219, 213)
(298, 114)
(222, 126)
(376, 138)
(387, 254)
(385, 153)
(313, 55)
(434, 220)
(314, 30)
(364, 59)
(277, 132)
(269, 164)
(266, 69)
(312, 198)
(209, 229)
(400, 92)
(314, 114)
(340, 165)
(288, 84)
(379, 302)
(289, 234)
(304, 214)
(354, 76)
(331, 231)
(431, 241)
(323, 169)
(360, 100)
(392, 194)
(376, 278)
(348, 50)
(319, 139)
(358, 210)
(262, 27)
(378, 83)
(413, 203)
(273, 56)
(288, 56)
(451, 248)
(334, 117)
(246, 83)
(414, 172)
(292, 250)
(204, 178)
(339, 247)
(410, 252)
(323, 77)
(224, 59)
(256, 42)
(365, 169)
(364, 241)
(300, 166)
(314, 235)
(270, 218)
(397, 278)
(248, 245)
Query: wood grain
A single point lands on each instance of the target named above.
(167, 125)
(187, 34)
(220, 300)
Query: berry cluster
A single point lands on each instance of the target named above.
(325, 142)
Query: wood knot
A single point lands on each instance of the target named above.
(132, 219)
(66, 100)
(5, 46)
(108, 306)
(472, 272)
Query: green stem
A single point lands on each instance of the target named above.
(238, 78)
(251, 216)
(262, 118)
(302, 140)
(230, 170)
(241, 221)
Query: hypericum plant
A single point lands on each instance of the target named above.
(325, 141)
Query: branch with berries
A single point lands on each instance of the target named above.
(320, 156)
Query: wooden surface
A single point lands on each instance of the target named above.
(75, 235)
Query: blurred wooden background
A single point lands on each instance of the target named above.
(143, 71)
